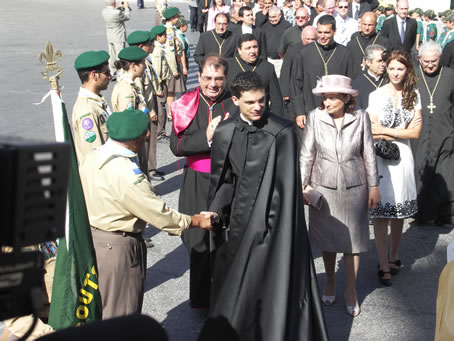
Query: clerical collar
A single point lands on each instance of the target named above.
(370, 36)
(209, 100)
(221, 35)
(375, 78)
(329, 47)
(245, 119)
(435, 73)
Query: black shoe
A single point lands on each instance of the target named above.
(159, 173)
(164, 139)
(385, 281)
(156, 177)
(148, 242)
(398, 264)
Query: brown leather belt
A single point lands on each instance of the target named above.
(120, 233)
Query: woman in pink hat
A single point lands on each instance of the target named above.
(340, 182)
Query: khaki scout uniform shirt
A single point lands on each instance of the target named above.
(120, 198)
(127, 95)
(149, 85)
(89, 117)
(173, 47)
(160, 62)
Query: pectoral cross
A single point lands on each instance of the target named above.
(431, 107)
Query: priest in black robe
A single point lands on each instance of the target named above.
(447, 58)
(433, 151)
(264, 285)
(246, 58)
(373, 76)
(194, 118)
(292, 36)
(202, 14)
(362, 39)
(219, 41)
(324, 57)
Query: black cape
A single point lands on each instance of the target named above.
(265, 285)
(357, 46)
(309, 67)
(433, 152)
(194, 194)
(207, 45)
(266, 72)
(366, 84)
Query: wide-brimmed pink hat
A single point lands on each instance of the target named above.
(335, 84)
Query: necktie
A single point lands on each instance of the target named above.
(356, 12)
(402, 31)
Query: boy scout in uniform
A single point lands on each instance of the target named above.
(149, 86)
(120, 202)
(90, 112)
(159, 59)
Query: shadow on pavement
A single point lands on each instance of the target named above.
(170, 185)
(184, 323)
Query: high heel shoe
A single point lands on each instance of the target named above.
(353, 311)
(385, 281)
(328, 300)
(398, 264)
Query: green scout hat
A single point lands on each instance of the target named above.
(419, 11)
(170, 12)
(132, 54)
(450, 17)
(379, 8)
(127, 125)
(158, 30)
(410, 12)
(139, 37)
(429, 13)
(389, 7)
(444, 13)
(91, 59)
(182, 21)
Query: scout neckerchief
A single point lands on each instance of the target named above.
(372, 82)
(443, 43)
(241, 66)
(217, 41)
(325, 63)
(139, 98)
(211, 107)
(151, 73)
(431, 106)
(363, 66)
(94, 97)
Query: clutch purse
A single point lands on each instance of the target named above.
(315, 198)
(387, 149)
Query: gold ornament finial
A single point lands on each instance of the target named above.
(52, 72)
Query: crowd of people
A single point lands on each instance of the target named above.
(344, 106)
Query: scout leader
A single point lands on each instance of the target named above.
(126, 94)
(90, 112)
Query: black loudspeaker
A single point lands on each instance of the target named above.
(33, 182)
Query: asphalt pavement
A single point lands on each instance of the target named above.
(405, 311)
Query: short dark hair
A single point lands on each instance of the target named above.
(246, 81)
(244, 38)
(327, 20)
(122, 64)
(216, 61)
(84, 73)
(222, 15)
(242, 9)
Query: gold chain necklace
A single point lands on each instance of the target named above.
(217, 41)
(363, 65)
(241, 66)
(371, 82)
(325, 64)
(431, 106)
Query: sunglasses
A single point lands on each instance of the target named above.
(299, 18)
(106, 73)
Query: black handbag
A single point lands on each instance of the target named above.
(387, 149)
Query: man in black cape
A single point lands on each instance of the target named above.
(264, 284)
(194, 118)
(247, 58)
(433, 151)
(219, 41)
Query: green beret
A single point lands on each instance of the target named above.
(91, 59)
(132, 54)
(158, 30)
(170, 12)
(182, 21)
(127, 125)
(139, 37)
(429, 13)
(419, 11)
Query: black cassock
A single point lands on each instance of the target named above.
(366, 84)
(433, 151)
(194, 193)
(357, 46)
(447, 57)
(288, 77)
(258, 33)
(309, 67)
(208, 45)
(264, 285)
(268, 76)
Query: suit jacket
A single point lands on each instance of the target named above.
(364, 6)
(391, 31)
(115, 23)
(326, 155)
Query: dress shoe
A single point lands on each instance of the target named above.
(148, 242)
(353, 311)
(159, 173)
(328, 300)
(156, 177)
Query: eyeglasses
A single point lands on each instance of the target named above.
(217, 80)
(299, 18)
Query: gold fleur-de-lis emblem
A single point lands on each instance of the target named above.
(53, 71)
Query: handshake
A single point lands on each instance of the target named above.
(204, 220)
